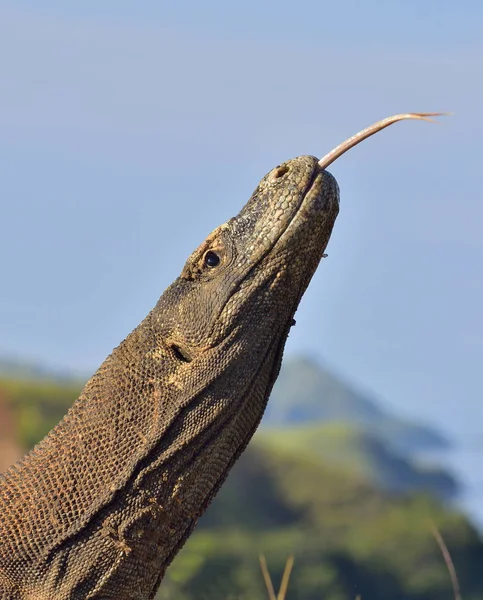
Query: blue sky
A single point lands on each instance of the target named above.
(128, 131)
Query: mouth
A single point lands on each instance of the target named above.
(273, 216)
(316, 211)
(257, 281)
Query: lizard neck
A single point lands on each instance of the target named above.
(101, 506)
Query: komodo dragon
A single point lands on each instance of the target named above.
(99, 508)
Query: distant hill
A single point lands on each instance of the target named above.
(363, 454)
(306, 392)
(23, 369)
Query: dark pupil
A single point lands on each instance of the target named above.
(212, 259)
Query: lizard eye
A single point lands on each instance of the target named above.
(212, 259)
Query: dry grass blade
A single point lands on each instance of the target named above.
(267, 578)
(285, 578)
(449, 562)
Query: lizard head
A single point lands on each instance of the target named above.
(249, 274)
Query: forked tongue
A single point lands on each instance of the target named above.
(334, 154)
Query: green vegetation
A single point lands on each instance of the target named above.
(38, 404)
(348, 538)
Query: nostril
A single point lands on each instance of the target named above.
(280, 172)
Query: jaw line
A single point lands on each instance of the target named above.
(270, 278)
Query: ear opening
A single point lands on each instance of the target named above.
(180, 355)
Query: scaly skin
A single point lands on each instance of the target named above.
(99, 508)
